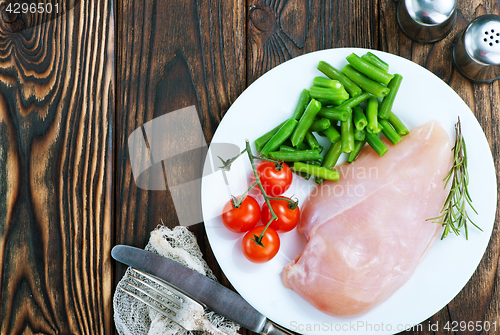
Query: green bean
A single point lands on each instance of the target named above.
(317, 171)
(261, 141)
(376, 143)
(331, 158)
(304, 99)
(388, 101)
(333, 73)
(359, 135)
(325, 82)
(305, 175)
(318, 92)
(353, 102)
(397, 124)
(295, 156)
(365, 83)
(305, 122)
(358, 145)
(281, 135)
(332, 155)
(347, 135)
(334, 113)
(325, 102)
(359, 118)
(316, 162)
(284, 147)
(320, 124)
(303, 146)
(368, 69)
(369, 57)
(371, 115)
(332, 133)
(312, 141)
(389, 132)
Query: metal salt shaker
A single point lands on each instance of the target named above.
(426, 21)
(476, 51)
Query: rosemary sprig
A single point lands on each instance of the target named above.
(454, 213)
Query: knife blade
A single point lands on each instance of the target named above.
(202, 289)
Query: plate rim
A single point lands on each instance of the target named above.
(298, 59)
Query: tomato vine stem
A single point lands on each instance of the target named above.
(237, 202)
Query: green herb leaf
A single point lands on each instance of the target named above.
(454, 215)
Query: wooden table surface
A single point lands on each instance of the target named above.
(74, 86)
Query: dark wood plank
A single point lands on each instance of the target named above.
(171, 55)
(212, 50)
(56, 154)
(280, 30)
(478, 301)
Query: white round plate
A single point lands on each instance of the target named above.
(445, 268)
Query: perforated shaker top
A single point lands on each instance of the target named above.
(482, 39)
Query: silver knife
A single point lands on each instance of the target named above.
(202, 289)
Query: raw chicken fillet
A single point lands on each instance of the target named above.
(367, 232)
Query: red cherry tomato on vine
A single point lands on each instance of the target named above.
(275, 178)
(288, 218)
(258, 253)
(242, 218)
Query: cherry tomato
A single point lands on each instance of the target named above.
(257, 253)
(287, 218)
(243, 218)
(275, 182)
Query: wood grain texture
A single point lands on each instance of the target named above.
(56, 154)
(269, 46)
(171, 55)
(64, 160)
(200, 59)
(478, 301)
(279, 30)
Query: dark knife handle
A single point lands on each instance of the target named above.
(270, 328)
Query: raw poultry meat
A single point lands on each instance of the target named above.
(367, 232)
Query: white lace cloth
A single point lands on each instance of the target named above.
(133, 317)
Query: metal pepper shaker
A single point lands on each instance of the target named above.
(476, 51)
(426, 21)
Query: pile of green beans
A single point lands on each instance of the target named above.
(350, 108)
